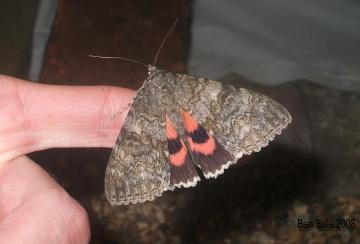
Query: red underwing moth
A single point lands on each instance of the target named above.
(178, 122)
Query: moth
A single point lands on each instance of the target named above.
(178, 122)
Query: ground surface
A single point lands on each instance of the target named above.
(311, 172)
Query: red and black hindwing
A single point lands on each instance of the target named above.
(182, 170)
(205, 151)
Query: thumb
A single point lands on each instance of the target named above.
(35, 209)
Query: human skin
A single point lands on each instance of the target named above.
(33, 117)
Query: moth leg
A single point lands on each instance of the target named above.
(121, 110)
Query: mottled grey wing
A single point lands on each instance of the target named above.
(241, 120)
(138, 169)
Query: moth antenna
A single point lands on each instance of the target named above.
(163, 41)
(120, 58)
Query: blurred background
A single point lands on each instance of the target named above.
(304, 54)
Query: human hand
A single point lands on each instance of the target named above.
(33, 207)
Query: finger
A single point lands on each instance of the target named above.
(35, 209)
(37, 116)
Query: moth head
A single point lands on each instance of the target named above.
(151, 69)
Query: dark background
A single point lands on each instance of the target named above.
(309, 172)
